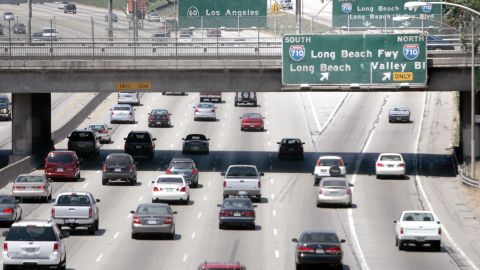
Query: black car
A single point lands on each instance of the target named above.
(19, 28)
(195, 143)
(242, 98)
(237, 211)
(140, 144)
(159, 118)
(84, 142)
(70, 8)
(119, 167)
(318, 247)
(290, 147)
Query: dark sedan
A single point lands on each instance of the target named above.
(290, 147)
(10, 209)
(19, 28)
(318, 247)
(195, 143)
(159, 118)
(237, 211)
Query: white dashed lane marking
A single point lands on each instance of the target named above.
(199, 215)
(85, 185)
(99, 257)
(185, 257)
(116, 235)
(140, 199)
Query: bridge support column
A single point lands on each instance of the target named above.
(465, 126)
(31, 125)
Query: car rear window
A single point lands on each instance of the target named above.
(152, 209)
(60, 158)
(121, 108)
(6, 199)
(82, 136)
(181, 165)
(418, 217)
(252, 115)
(330, 162)
(160, 112)
(139, 137)
(291, 141)
(30, 179)
(169, 180)
(390, 158)
(334, 183)
(31, 233)
(204, 106)
(315, 237)
(237, 204)
(78, 200)
(97, 127)
(118, 159)
(196, 137)
(241, 172)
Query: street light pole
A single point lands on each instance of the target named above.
(417, 4)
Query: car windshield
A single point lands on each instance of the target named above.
(152, 209)
(237, 204)
(242, 172)
(6, 199)
(390, 158)
(121, 108)
(118, 159)
(204, 106)
(334, 183)
(138, 137)
(30, 179)
(170, 180)
(181, 165)
(74, 199)
(317, 237)
(97, 127)
(31, 233)
(418, 217)
(60, 158)
(3, 100)
(329, 162)
(252, 115)
(82, 136)
(196, 137)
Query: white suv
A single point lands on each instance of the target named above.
(322, 167)
(34, 243)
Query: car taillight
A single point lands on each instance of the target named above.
(248, 214)
(8, 210)
(168, 220)
(90, 212)
(183, 189)
(340, 163)
(439, 231)
(136, 220)
(104, 168)
(155, 189)
(150, 117)
(401, 230)
(259, 184)
(103, 131)
(53, 212)
(349, 191)
(126, 145)
(401, 165)
(320, 191)
(40, 187)
(16, 187)
(379, 164)
(196, 110)
(194, 172)
(5, 246)
(318, 163)
(130, 168)
(55, 247)
(333, 250)
(213, 110)
(305, 249)
(131, 113)
(168, 171)
(225, 213)
(224, 184)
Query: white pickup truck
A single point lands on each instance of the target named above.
(76, 209)
(242, 179)
(418, 228)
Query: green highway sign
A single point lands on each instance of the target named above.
(222, 13)
(364, 59)
(379, 13)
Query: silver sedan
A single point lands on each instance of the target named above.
(334, 190)
(32, 186)
(153, 218)
(122, 113)
(10, 209)
(204, 111)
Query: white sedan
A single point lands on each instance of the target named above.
(122, 113)
(170, 187)
(390, 164)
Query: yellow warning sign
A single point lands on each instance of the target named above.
(121, 86)
(276, 7)
(403, 76)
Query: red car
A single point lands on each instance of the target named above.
(221, 266)
(252, 121)
(62, 164)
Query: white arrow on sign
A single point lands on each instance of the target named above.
(367, 23)
(324, 76)
(406, 23)
(387, 76)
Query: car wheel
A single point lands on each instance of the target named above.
(63, 264)
(298, 266)
(221, 226)
(252, 226)
(255, 104)
(195, 185)
(91, 230)
(400, 245)
(97, 224)
(187, 201)
(171, 236)
(242, 129)
(236, 104)
(45, 199)
(132, 182)
(437, 246)
(78, 176)
(104, 182)
(49, 198)
(154, 201)
(339, 266)
(379, 176)
(134, 236)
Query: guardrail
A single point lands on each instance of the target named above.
(466, 179)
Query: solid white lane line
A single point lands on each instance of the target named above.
(140, 199)
(185, 257)
(193, 235)
(199, 215)
(455, 246)
(99, 257)
(330, 117)
(274, 213)
(275, 231)
(277, 253)
(85, 185)
(116, 235)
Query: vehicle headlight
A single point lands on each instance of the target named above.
(4, 110)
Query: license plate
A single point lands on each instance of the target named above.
(70, 220)
(390, 166)
(30, 249)
(399, 118)
(323, 170)
(151, 222)
(81, 145)
(118, 169)
(237, 214)
(170, 189)
(334, 193)
(138, 146)
(291, 149)
(195, 148)
(252, 126)
(59, 169)
(159, 123)
(420, 239)
(319, 251)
